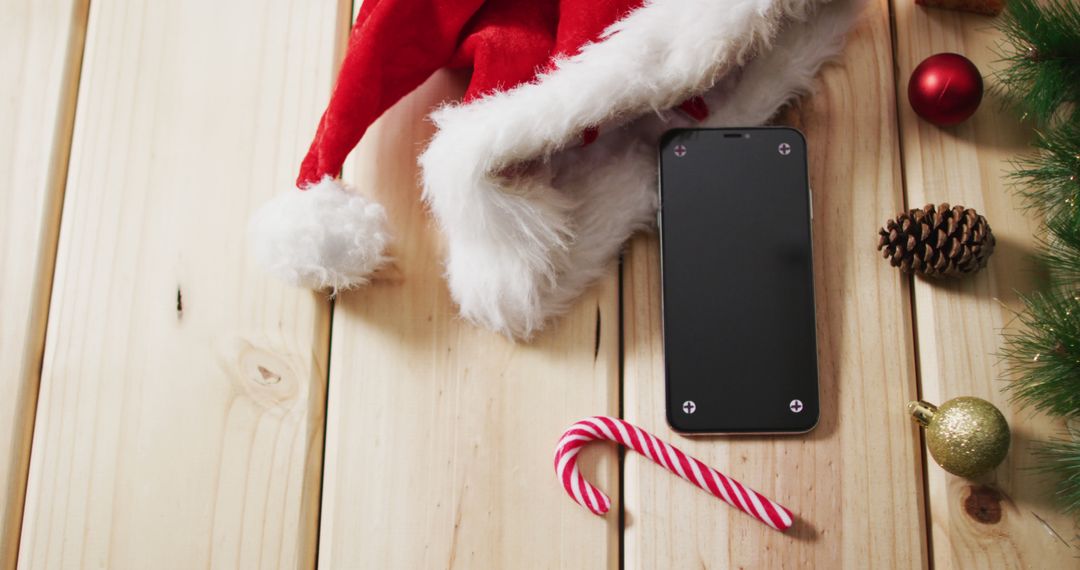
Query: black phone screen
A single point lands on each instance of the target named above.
(738, 289)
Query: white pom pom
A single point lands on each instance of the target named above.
(326, 236)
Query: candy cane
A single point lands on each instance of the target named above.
(663, 454)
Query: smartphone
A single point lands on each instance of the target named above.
(740, 347)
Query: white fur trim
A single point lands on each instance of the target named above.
(615, 178)
(527, 232)
(326, 236)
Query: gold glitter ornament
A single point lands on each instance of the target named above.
(966, 436)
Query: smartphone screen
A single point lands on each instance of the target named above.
(738, 288)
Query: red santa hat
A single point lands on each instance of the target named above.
(531, 214)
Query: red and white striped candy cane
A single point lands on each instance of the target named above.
(663, 454)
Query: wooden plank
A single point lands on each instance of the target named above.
(440, 435)
(855, 481)
(959, 323)
(182, 393)
(40, 53)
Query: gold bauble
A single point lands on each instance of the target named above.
(966, 436)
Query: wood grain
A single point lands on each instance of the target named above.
(959, 323)
(440, 435)
(40, 51)
(855, 481)
(182, 393)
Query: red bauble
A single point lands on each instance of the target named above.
(945, 89)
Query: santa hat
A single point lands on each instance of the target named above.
(532, 214)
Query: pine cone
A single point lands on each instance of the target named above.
(987, 7)
(937, 242)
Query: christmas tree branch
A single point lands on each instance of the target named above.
(1044, 355)
(1042, 78)
(1049, 180)
(1061, 457)
(1043, 56)
(1060, 252)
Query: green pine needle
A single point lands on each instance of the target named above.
(1060, 252)
(1044, 355)
(1042, 53)
(1049, 180)
(1061, 457)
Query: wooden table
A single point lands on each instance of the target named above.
(163, 404)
